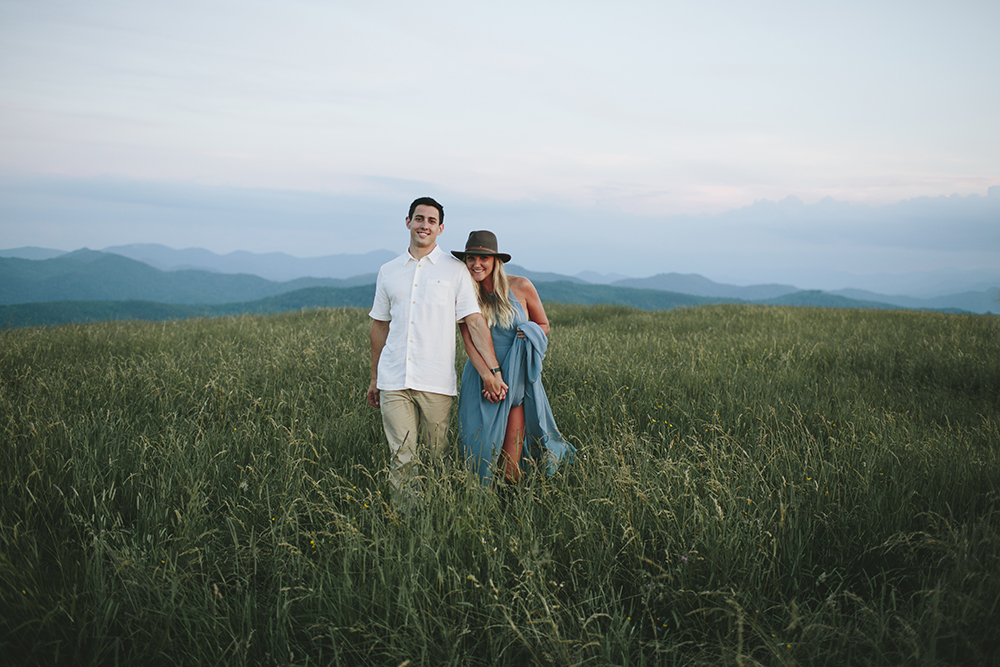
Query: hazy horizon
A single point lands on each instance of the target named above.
(923, 284)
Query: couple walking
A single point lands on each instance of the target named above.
(505, 422)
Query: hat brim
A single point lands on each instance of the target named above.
(462, 254)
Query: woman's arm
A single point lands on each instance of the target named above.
(528, 296)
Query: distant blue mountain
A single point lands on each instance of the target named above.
(646, 299)
(985, 301)
(818, 298)
(600, 278)
(63, 312)
(53, 313)
(88, 275)
(275, 266)
(692, 283)
(31, 252)
(541, 276)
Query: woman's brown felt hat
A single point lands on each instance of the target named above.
(481, 243)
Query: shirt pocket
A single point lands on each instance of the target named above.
(438, 292)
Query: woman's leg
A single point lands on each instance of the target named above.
(513, 443)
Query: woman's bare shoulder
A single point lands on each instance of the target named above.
(521, 285)
(520, 281)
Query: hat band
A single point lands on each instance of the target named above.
(482, 248)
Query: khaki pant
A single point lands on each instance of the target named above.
(410, 418)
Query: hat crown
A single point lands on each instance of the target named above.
(482, 240)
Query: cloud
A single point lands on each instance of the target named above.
(954, 223)
(642, 108)
(68, 213)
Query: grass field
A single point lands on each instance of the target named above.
(754, 485)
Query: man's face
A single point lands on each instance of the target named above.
(424, 226)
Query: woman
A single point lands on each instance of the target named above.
(493, 432)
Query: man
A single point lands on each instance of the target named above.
(419, 297)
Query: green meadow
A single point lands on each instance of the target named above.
(754, 486)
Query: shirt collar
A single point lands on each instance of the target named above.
(433, 256)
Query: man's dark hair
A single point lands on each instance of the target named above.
(427, 201)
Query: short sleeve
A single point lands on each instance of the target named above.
(465, 296)
(381, 307)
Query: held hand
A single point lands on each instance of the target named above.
(493, 398)
(494, 385)
(520, 334)
(374, 395)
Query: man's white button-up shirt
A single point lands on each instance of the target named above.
(422, 300)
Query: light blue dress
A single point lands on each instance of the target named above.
(481, 424)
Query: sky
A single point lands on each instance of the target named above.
(748, 142)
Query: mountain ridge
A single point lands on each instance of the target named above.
(698, 285)
(87, 274)
(275, 266)
(54, 313)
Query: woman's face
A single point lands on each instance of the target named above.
(480, 266)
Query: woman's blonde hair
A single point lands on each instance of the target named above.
(497, 308)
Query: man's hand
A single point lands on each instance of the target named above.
(374, 395)
(494, 388)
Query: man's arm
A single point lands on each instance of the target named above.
(479, 331)
(377, 336)
(477, 362)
